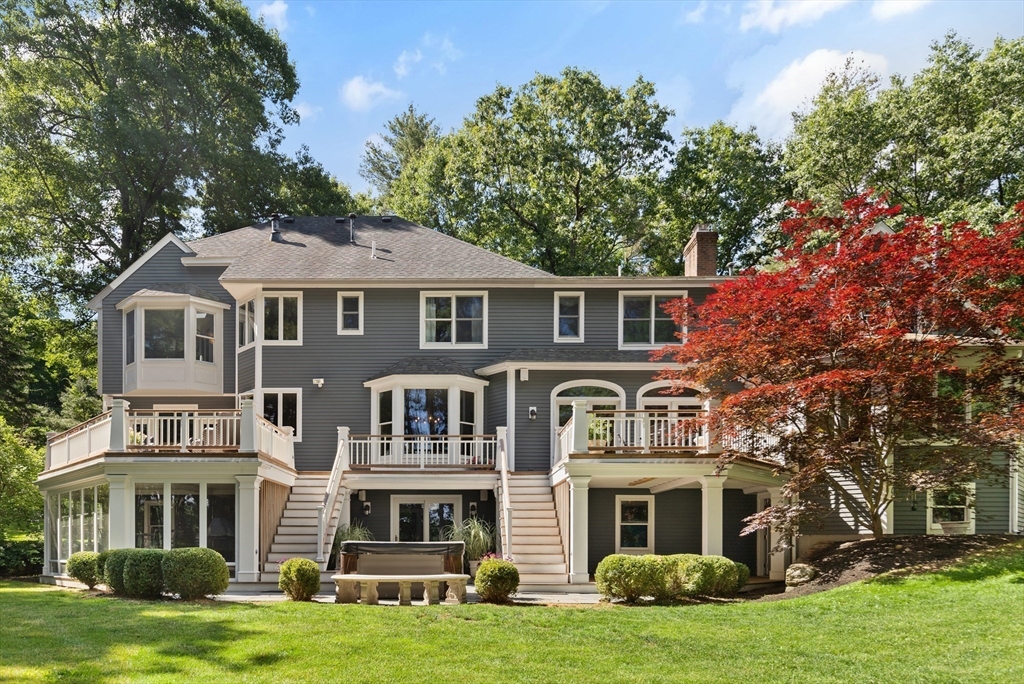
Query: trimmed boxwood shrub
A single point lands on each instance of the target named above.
(709, 576)
(83, 566)
(101, 563)
(143, 574)
(193, 573)
(631, 577)
(20, 558)
(113, 569)
(496, 580)
(300, 579)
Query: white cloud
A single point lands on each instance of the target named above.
(770, 109)
(360, 94)
(775, 15)
(445, 50)
(696, 15)
(308, 112)
(405, 61)
(887, 9)
(275, 14)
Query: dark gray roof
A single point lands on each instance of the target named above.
(170, 289)
(577, 355)
(315, 248)
(424, 365)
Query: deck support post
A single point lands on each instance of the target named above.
(247, 428)
(580, 427)
(118, 426)
(711, 515)
(579, 517)
(122, 512)
(777, 562)
(248, 567)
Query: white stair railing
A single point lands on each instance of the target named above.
(326, 508)
(506, 503)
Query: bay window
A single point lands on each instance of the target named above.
(204, 336)
(246, 323)
(164, 333)
(129, 337)
(453, 319)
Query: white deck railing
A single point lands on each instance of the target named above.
(506, 502)
(80, 442)
(424, 451)
(276, 442)
(620, 432)
(183, 430)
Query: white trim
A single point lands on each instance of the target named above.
(665, 398)
(350, 295)
(935, 528)
(397, 384)
(453, 294)
(175, 407)
(167, 301)
(576, 365)
(279, 391)
(397, 499)
(170, 238)
(207, 261)
(240, 306)
(570, 340)
(555, 401)
(261, 317)
(649, 498)
(124, 340)
(675, 294)
(425, 381)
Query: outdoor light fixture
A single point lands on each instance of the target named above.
(366, 508)
(319, 382)
(472, 509)
(533, 413)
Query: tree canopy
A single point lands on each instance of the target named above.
(406, 135)
(828, 367)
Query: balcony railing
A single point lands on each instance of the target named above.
(423, 451)
(183, 430)
(80, 442)
(598, 434)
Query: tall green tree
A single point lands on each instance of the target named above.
(21, 503)
(730, 180)
(947, 143)
(405, 137)
(561, 174)
(118, 119)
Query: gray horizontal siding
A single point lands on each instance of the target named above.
(992, 500)
(517, 319)
(496, 403)
(163, 267)
(379, 520)
(740, 548)
(247, 369)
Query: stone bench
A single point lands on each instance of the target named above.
(346, 588)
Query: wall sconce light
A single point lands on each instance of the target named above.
(366, 509)
(319, 382)
(533, 413)
(913, 500)
(472, 509)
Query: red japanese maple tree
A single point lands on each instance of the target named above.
(870, 361)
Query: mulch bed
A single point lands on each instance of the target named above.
(842, 563)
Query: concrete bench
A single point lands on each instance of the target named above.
(346, 587)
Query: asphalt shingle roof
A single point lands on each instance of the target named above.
(315, 248)
(424, 365)
(576, 355)
(165, 289)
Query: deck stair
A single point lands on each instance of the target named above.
(536, 540)
(296, 535)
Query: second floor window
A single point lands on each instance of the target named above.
(454, 319)
(282, 408)
(129, 337)
(350, 313)
(281, 317)
(164, 334)
(644, 321)
(568, 317)
(204, 336)
(247, 323)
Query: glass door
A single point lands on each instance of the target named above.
(416, 518)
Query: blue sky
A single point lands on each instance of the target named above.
(749, 63)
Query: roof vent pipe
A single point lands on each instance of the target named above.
(373, 249)
(352, 228)
(275, 229)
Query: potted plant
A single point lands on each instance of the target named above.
(354, 532)
(477, 535)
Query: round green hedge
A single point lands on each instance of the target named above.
(84, 567)
(496, 580)
(631, 577)
(193, 573)
(669, 577)
(101, 563)
(299, 579)
(143, 573)
(113, 569)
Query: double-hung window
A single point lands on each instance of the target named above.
(129, 337)
(246, 323)
(350, 313)
(164, 333)
(282, 318)
(634, 524)
(643, 321)
(204, 337)
(284, 408)
(568, 317)
(453, 319)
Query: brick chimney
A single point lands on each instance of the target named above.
(700, 256)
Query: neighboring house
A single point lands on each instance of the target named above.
(265, 385)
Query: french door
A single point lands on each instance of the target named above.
(422, 518)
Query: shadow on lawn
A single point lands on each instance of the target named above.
(80, 637)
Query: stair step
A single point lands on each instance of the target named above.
(540, 568)
(531, 549)
(529, 489)
(301, 505)
(309, 548)
(543, 578)
(516, 498)
(530, 559)
(535, 522)
(533, 505)
(300, 496)
(286, 538)
(521, 513)
(309, 488)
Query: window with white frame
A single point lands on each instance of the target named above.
(951, 506)
(205, 342)
(163, 333)
(246, 323)
(283, 407)
(282, 318)
(643, 321)
(453, 319)
(634, 524)
(568, 317)
(427, 405)
(129, 337)
(350, 313)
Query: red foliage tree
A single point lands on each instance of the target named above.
(869, 362)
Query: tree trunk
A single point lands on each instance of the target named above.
(877, 526)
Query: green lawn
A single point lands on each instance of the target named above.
(961, 624)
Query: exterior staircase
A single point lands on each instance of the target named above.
(296, 535)
(536, 540)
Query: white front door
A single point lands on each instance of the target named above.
(422, 518)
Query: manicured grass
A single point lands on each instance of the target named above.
(959, 624)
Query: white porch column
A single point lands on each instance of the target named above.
(711, 515)
(579, 517)
(777, 564)
(122, 514)
(247, 434)
(118, 426)
(580, 427)
(248, 567)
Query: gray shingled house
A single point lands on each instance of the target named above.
(267, 384)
